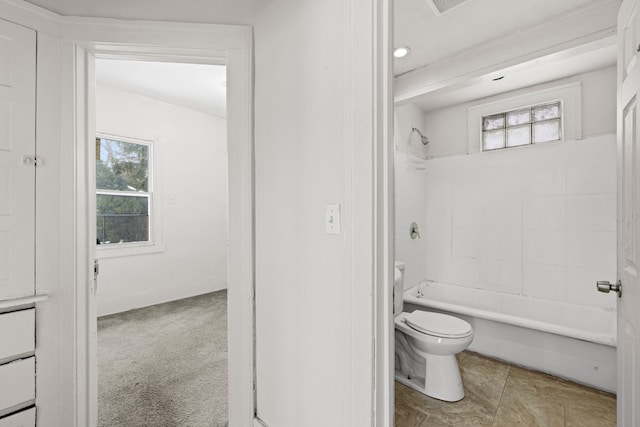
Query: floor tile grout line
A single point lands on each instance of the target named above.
(504, 386)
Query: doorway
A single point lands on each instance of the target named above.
(215, 45)
(161, 234)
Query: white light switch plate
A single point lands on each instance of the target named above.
(332, 221)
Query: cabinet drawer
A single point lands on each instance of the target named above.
(17, 333)
(21, 419)
(20, 376)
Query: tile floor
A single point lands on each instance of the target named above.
(501, 395)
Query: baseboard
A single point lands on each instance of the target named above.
(159, 296)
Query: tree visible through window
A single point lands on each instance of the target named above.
(541, 123)
(123, 193)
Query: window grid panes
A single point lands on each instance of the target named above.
(524, 126)
(123, 193)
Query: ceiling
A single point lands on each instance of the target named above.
(474, 23)
(433, 39)
(194, 86)
(519, 77)
(199, 11)
(478, 26)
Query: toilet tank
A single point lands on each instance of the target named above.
(398, 288)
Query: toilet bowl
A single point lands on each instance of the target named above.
(426, 348)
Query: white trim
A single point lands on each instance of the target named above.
(569, 94)
(18, 302)
(154, 193)
(181, 42)
(384, 218)
(116, 250)
(369, 206)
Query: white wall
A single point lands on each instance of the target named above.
(314, 146)
(191, 192)
(447, 128)
(299, 269)
(407, 117)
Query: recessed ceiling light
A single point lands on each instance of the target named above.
(401, 52)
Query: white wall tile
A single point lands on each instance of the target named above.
(594, 249)
(438, 185)
(467, 212)
(467, 183)
(545, 281)
(545, 247)
(544, 212)
(502, 276)
(502, 245)
(465, 271)
(591, 212)
(401, 183)
(437, 240)
(505, 213)
(592, 166)
(467, 242)
(439, 213)
(545, 182)
(439, 268)
(502, 182)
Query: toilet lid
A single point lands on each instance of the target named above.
(437, 324)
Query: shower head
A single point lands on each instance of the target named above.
(423, 138)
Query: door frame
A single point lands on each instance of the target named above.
(231, 45)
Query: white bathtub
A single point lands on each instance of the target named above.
(573, 342)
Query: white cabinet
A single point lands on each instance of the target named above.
(17, 222)
(17, 334)
(26, 418)
(17, 150)
(18, 385)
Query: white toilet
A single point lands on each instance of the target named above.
(426, 348)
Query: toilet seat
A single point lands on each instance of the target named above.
(439, 325)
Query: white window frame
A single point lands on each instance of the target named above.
(154, 244)
(569, 95)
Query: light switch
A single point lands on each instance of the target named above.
(332, 224)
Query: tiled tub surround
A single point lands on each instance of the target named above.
(411, 205)
(536, 223)
(501, 395)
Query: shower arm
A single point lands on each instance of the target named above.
(423, 138)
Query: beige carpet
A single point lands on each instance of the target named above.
(165, 365)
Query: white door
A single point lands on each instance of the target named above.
(17, 149)
(629, 214)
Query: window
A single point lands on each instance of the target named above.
(123, 191)
(567, 95)
(541, 123)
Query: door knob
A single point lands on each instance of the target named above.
(413, 231)
(606, 287)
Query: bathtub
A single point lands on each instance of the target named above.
(573, 342)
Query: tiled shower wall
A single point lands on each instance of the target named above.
(537, 221)
(411, 205)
